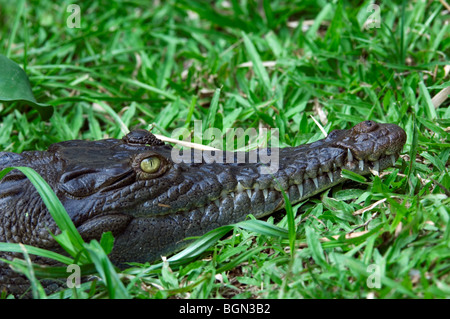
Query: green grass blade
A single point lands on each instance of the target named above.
(106, 271)
(353, 176)
(312, 239)
(26, 268)
(53, 204)
(258, 66)
(149, 88)
(264, 228)
(201, 244)
(18, 248)
(292, 229)
(235, 262)
(426, 98)
(12, 36)
(210, 119)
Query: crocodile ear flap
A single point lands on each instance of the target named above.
(95, 227)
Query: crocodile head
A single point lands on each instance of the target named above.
(134, 188)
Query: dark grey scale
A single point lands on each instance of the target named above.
(173, 193)
(312, 168)
(308, 186)
(265, 181)
(294, 194)
(242, 205)
(227, 180)
(323, 180)
(226, 209)
(211, 216)
(247, 177)
(339, 159)
(298, 174)
(290, 172)
(211, 188)
(257, 201)
(281, 181)
(273, 200)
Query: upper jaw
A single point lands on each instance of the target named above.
(357, 150)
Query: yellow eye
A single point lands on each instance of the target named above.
(150, 164)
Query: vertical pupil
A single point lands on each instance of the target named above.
(150, 165)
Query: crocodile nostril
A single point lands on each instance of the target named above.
(365, 127)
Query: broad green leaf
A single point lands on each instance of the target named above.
(106, 271)
(15, 87)
(107, 242)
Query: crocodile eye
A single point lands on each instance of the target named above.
(151, 164)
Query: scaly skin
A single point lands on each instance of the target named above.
(103, 187)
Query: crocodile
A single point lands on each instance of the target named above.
(133, 188)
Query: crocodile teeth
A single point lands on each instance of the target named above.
(393, 159)
(376, 168)
(300, 190)
(361, 165)
(265, 193)
(349, 155)
(249, 193)
(330, 176)
(316, 182)
(239, 187)
(217, 202)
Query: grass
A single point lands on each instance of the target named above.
(244, 64)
